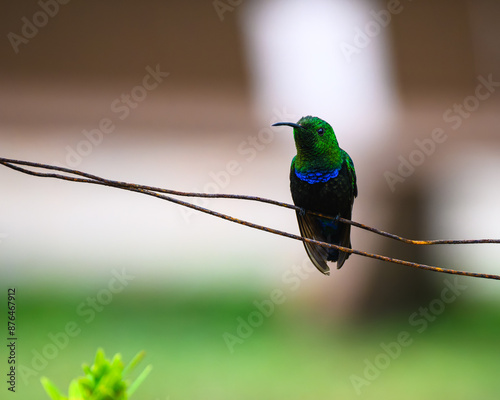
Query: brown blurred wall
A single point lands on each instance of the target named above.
(116, 39)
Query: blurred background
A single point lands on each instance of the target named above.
(182, 95)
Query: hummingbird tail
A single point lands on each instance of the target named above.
(338, 256)
(314, 228)
(342, 258)
(345, 241)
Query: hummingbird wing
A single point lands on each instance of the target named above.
(310, 227)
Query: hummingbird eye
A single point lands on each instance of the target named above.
(321, 131)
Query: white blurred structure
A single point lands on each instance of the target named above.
(325, 58)
(463, 204)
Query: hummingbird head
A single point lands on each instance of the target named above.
(314, 138)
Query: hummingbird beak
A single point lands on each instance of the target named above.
(292, 124)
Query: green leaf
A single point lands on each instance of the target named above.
(104, 380)
(51, 389)
(132, 364)
(74, 391)
(133, 387)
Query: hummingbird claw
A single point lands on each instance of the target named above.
(302, 211)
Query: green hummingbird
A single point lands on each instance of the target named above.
(322, 180)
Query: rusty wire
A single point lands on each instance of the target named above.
(157, 192)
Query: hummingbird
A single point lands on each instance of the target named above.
(322, 180)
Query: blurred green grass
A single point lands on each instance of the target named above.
(296, 353)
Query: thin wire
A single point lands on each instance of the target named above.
(6, 161)
(93, 179)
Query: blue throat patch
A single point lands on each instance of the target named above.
(317, 177)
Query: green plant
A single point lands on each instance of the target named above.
(105, 380)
